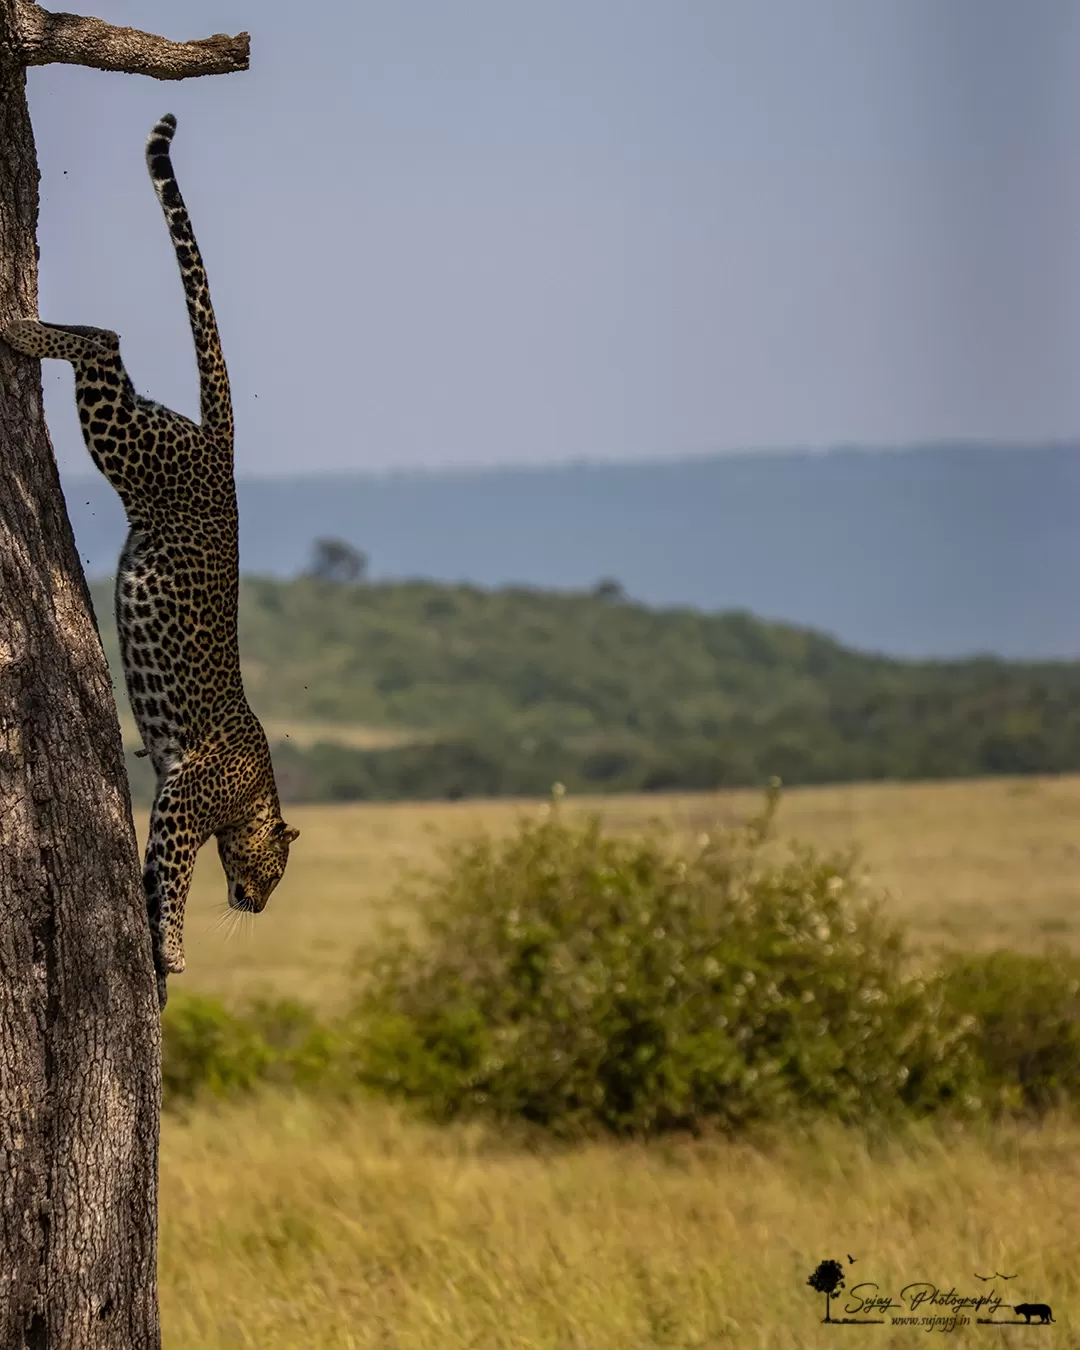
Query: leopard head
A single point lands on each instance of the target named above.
(254, 855)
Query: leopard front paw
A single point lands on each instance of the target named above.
(175, 962)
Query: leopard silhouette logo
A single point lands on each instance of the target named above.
(1030, 1310)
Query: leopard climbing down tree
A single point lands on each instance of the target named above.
(176, 598)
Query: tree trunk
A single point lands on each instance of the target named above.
(79, 1029)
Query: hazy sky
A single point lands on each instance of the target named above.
(494, 231)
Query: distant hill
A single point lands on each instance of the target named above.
(939, 551)
(464, 691)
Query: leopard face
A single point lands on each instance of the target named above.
(254, 856)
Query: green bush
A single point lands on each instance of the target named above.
(588, 982)
(1026, 1031)
(208, 1049)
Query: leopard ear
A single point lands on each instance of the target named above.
(290, 833)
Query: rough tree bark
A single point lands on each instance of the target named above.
(79, 1028)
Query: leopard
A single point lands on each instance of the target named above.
(176, 598)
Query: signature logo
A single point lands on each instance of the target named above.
(919, 1303)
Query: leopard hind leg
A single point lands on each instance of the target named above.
(60, 341)
(127, 437)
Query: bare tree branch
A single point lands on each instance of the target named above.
(77, 40)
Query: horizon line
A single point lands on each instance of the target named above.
(821, 451)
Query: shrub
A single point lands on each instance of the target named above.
(208, 1049)
(1026, 1033)
(586, 982)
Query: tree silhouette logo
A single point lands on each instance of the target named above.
(828, 1279)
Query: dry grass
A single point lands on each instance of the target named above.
(974, 864)
(289, 1224)
(292, 1223)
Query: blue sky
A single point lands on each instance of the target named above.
(494, 232)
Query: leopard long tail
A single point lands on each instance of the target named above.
(214, 396)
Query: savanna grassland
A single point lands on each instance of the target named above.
(291, 1221)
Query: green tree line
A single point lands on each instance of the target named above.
(505, 691)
